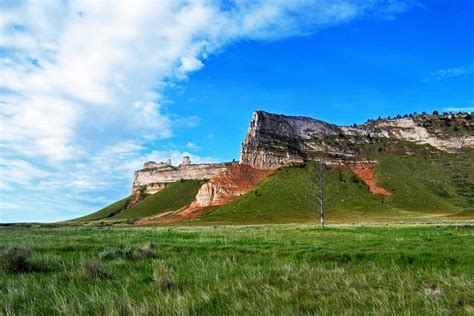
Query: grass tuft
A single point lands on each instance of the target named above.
(93, 270)
(128, 253)
(16, 260)
(163, 276)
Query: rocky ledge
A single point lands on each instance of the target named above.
(275, 140)
(157, 176)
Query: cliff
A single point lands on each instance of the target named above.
(237, 180)
(275, 140)
(157, 176)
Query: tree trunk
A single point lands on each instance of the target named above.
(322, 186)
(321, 215)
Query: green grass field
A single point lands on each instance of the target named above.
(269, 269)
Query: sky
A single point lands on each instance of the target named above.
(90, 90)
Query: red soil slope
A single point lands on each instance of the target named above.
(221, 189)
(366, 173)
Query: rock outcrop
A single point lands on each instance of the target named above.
(157, 176)
(275, 140)
(226, 186)
(238, 179)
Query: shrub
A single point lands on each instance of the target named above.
(93, 270)
(109, 254)
(355, 179)
(131, 221)
(144, 252)
(15, 260)
(163, 276)
(129, 253)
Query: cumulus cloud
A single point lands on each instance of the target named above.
(83, 81)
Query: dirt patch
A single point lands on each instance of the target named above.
(366, 173)
(221, 189)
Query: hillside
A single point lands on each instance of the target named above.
(171, 198)
(411, 168)
(421, 190)
(104, 213)
(441, 187)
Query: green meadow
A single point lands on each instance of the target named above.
(266, 269)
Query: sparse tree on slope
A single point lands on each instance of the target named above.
(319, 185)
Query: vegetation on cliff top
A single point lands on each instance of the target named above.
(442, 125)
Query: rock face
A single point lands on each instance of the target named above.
(186, 161)
(226, 186)
(275, 140)
(221, 189)
(157, 176)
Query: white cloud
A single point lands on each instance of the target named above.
(188, 64)
(18, 172)
(82, 82)
(190, 121)
(193, 146)
(450, 73)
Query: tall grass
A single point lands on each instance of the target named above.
(287, 269)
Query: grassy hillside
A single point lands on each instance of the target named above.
(106, 212)
(287, 196)
(422, 185)
(171, 198)
(426, 185)
(422, 189)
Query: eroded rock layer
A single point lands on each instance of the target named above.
(275, 140)
(221, 189)
(155, 177)
(226, 186)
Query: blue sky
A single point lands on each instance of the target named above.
(90, 91)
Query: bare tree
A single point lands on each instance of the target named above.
(319, 185)
(463, 141)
